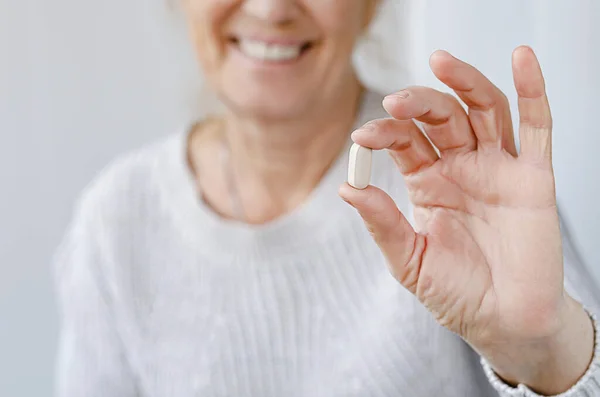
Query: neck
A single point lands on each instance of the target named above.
(276, 165)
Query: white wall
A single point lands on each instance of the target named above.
(83, 81)
(79, 82)
(566, 37)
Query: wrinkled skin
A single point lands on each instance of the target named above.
(486, 258)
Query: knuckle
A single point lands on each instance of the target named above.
(502, 98)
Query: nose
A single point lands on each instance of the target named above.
(277, 12)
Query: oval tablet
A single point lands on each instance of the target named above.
(359, 166)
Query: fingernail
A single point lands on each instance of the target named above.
(367, 127)
(342, 195)
(347, 202)
(391, 99)
(400, 94)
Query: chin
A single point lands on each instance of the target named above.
(269, 104)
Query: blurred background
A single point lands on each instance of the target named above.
(81, 82)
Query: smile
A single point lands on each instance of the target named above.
(271, 52)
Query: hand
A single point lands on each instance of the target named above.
(486, 258)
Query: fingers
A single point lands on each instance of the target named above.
(445, 121)
(535, 128)
(407, 145)
(394, 235)
(489, 110)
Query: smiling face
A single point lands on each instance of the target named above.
(276, 59)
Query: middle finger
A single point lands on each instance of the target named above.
(489, 110)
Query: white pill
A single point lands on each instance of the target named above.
(359, 166)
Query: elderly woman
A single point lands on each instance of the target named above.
(221, 262)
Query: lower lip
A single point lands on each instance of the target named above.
(263, 63)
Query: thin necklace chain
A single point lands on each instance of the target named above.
(232, 187)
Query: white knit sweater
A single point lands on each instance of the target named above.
(162, 298)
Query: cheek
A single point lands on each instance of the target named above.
(341, 21)
(205, 19)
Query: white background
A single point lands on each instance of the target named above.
(81, 82)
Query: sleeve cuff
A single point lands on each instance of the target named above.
(587, 386)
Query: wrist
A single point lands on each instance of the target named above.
(551, 364)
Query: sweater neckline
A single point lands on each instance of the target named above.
(317, 219)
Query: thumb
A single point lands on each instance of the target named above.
(402, 247)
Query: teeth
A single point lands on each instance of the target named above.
(269, 52)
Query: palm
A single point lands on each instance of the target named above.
(480, 215)
(487, 246)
